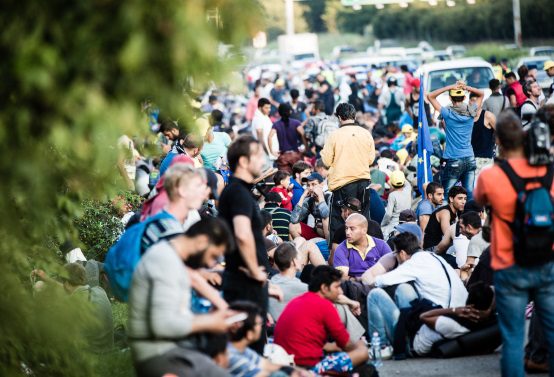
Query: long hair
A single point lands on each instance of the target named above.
(285, 112)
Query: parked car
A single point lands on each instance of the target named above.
(456, 51)
(542, 51)
(537, 61)
(475, 72)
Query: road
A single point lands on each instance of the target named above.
(475, 366)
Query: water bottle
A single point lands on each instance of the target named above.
(376, 350)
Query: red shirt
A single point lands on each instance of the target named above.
(305, 326)
(286, 195)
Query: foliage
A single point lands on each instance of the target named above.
(486, 50)
(74, 74)
(313, 14)
(464, 23)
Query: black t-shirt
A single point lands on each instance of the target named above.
(433, 231)
(298, 112)
(373, 229)
(237, 199)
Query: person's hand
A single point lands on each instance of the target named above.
(217, 320)
(259, 274)
(270, 320)
(212, 277)
(355, 307)
(467, 267)
(468, 312)
(318, 192)
(39, 273)
(276, 292)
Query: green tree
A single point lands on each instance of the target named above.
(74, 74)
(313, 14)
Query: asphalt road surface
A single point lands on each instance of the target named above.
(475, 366)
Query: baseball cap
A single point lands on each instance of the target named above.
(280, 82)
(314, 177)
(548, 64)
(410, 228)
(397, 178)
(416, 82)
(407, 128)
(457, 92)
(352, 203)
(391, 80)
(407, 216)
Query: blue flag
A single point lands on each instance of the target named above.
(424, 144)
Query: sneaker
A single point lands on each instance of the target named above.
(386, 353)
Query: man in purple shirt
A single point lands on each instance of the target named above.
(359, 251)
(290, 134)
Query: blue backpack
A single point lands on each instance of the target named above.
(533, 225)
(124, 255)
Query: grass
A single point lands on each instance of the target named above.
(119, 362)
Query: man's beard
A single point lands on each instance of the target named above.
(196, 261)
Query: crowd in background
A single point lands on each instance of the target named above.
(291, 236)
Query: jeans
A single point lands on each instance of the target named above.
(459, 170)
(383, 312)
(515, 287)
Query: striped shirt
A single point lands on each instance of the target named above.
(280, 220)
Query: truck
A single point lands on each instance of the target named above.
(297, 49)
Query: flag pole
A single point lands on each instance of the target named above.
(425, 166)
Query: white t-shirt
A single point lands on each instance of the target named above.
(263, 123)
(445, 327)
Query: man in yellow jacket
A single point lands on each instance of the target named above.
(348, 152)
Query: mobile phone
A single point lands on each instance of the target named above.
(236, 318)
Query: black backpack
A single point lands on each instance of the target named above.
(533, 225)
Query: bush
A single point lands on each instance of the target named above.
(100, 226)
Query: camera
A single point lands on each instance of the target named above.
(537, 141)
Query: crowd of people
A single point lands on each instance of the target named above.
(294, 233)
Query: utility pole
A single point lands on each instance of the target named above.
(517, 23)
(289, 16)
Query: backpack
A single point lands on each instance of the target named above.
(323, 129)
(533, 225)
(124, 255)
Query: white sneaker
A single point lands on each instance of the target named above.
(386, 353)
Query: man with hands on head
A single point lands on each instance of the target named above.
(458, 159)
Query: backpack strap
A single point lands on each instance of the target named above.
(548, 177)
(517, 182)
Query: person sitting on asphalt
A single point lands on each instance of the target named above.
(310, 320)
(286, 260)
(312, 202)
(450, 323)
(434, 197)
(348, 207)
(438, 236)
(400, 199)
(160, 317)
(243, 361)
(433, 279)
(359, 251)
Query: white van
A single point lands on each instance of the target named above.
(475, 72)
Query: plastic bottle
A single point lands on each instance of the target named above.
(376, 350)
